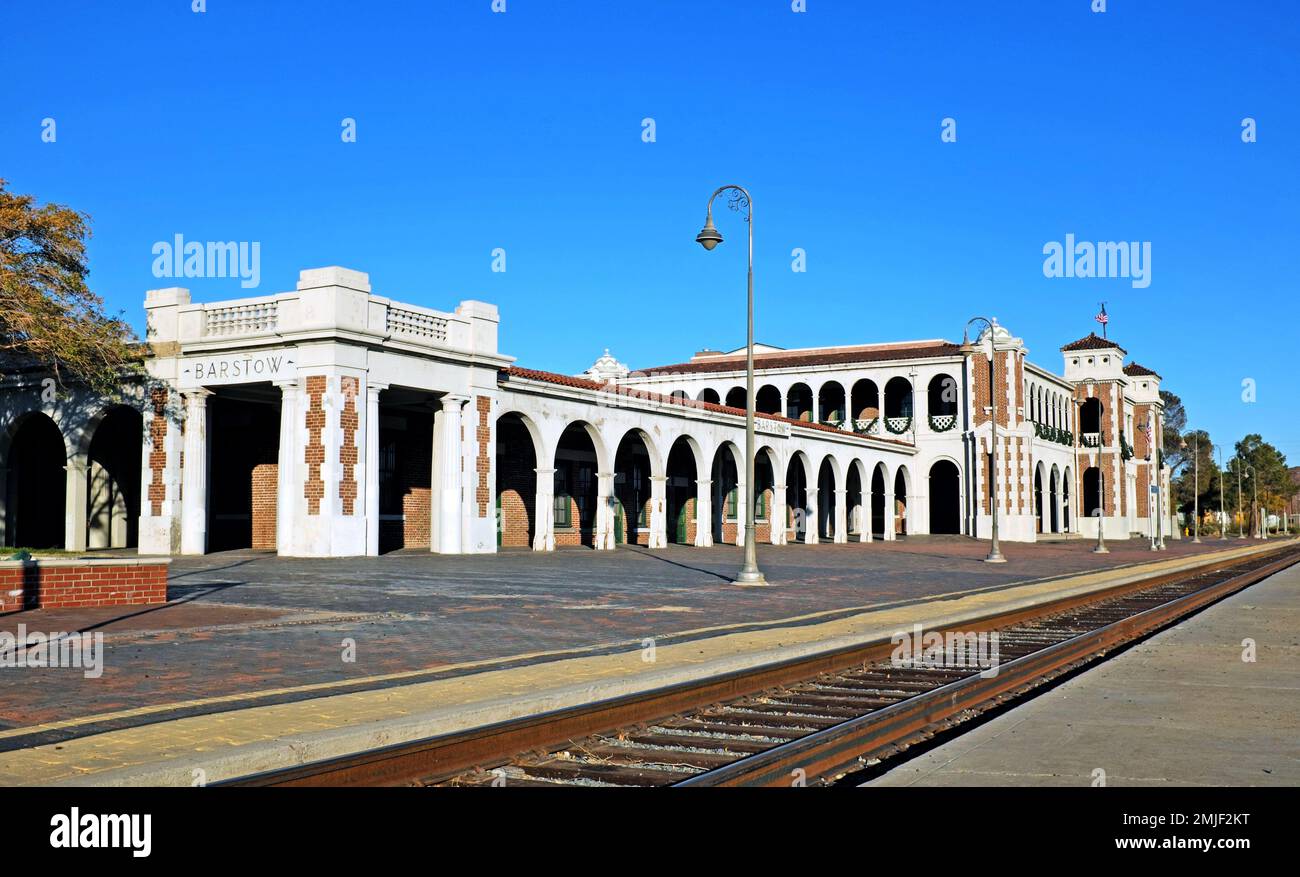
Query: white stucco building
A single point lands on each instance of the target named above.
(332, 421)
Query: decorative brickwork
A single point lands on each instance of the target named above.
(157, 449)
(61, 584)
(265, 476)
(483, 434)
(313, 489)
(348, 454)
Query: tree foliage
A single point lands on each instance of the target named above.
(48, 315)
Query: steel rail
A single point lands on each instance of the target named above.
(847, 746)
(439, 757)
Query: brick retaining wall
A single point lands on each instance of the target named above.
(62, 583)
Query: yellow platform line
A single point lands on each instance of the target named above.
(214, 734)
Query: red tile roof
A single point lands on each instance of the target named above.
(786, 359)
(529, 374)
(1133, 370)
(1092, 341)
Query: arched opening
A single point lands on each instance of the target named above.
(878, 502)
(680, 493)
(865, 403)
(36, 485)
(941, 401)
(679, 394)
(736, 398)
(902, 495)
(516, 483)
(796, 497)
(767, 400)
(799, 403)
(576, 487)
(765, 479)
(708, 394)
(826, 501)
(1054, 500)
(1091, 490)
(726, 495)
(243, 467)
(898, 405)
(830, 403)
(1039, 510)
(1065, 502)
(853, 501)
(1090, 416)
(113, 487)
(632, 471)
(945, 497)
(406, 468)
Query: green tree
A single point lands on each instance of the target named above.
(48, 315)
(1271, 480)
(1175, 423)
(1186, 486)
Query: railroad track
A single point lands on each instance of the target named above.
(807, 721)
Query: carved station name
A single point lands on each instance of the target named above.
(239, 368)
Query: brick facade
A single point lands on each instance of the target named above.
(264, 506)
(157, 449)
(348, 453)
(313, 489)
(483, 463)
(61, 584)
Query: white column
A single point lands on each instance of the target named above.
(742, 513)
(776, 515)
(372, 466)
(603, 538)
(287, 485)
(76, 492)
(812, 523)
(450, 475)
(544, 511)
(658, 516)
(194, 474)
(890, 512)
(703, 513)
(841, 516)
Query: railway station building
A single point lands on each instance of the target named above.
(332, 421)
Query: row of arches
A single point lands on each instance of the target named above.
(1048, 406)
(831, 403)
(44, 471)
(584, 493)
(1052, 498)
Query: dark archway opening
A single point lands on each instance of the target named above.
(945, 498)
(767, 400)
(826, 501)
(243, 464)
(796, 499)
(680, 494)
(516, 482)
(799, 403)
(632, 491)
(113, 488)
(736, 398)
(853, 503)
(36, 485)
(1038, 500)
(1091, 485)
(900, 503)
(830, 403)
(726, 496)
(575, 487)
(405, 468)
(878, 503)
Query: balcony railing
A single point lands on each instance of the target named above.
(871, 426)
(898, 425)
(942, 422)
(418, 324)
(246, 318)
(1091, 439)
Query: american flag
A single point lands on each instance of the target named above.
(1103, 319)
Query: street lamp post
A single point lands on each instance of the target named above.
(709, 237)
(1254, 501)
(1223, 522)
(1241, 525)
(968, 350)
(1196, 491)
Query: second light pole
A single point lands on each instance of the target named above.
(709, 237)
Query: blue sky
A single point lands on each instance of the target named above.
(523, 131)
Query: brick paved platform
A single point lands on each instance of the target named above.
(248, 672)
(245, 622)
